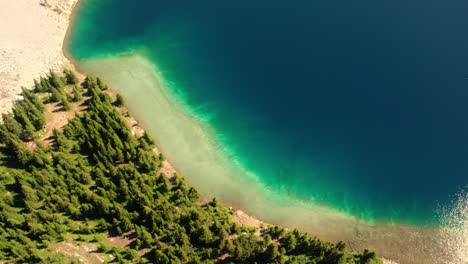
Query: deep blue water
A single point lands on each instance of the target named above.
(360, 105)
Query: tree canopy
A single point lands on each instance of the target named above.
(98, 177)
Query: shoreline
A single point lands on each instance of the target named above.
(74, 65)
(68, 62)
(209, 133)
(243, 215)
(406, 244)
(240, 216)
(66, 39)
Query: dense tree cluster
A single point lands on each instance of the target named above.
(98, 177)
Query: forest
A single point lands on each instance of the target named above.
(94, 178)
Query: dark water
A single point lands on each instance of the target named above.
(360, 105)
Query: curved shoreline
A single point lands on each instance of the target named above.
(404, 243)
(214, 177)
(359, 232)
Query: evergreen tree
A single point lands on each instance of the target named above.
(70, 77)
(35, 115)
(11, 125)
(271, 253)
(55, 96)
(289, 242)
(21, 117)
(21, 151)
(100, 84)
(55, 80)
(77, 94)
(31, 97)
(45, 84)
(63, 144)
(89, 82)
(119, 101)
(38, 87)
(66, 105)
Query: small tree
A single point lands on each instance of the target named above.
(23, 154)
(290, 242)
(101, 84)
(66, 105)
(76, 94)
(11, 125)
(89, 82)
(38, 87)
(55, 80)
(119, 101)
(55, 95)
(32, 98)
(271, 252)
(70, 77)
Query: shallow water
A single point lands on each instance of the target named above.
(357, 106)
(193, 150)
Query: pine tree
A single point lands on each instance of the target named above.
(21, 117)
(271, 253)
(35, 115)
(66, 105)
(290, 242)
(100, 84)
(45, 85)
(77, 94)
(30, 96)
(63, 144)
(148, 140)
(38, 87)
(119, 101)
(21, 151)
(55, 80)
(55, 96)
(89, 82)
(70, 77)
(11, 125)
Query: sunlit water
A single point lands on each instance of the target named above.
(344, 119)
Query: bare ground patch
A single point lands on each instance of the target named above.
(86, 252)
(57, 117)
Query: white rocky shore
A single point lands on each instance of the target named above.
(32, 33)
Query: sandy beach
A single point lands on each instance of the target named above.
(31, 40)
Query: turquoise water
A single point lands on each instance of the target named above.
(357, 105)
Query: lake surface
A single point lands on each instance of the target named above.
(360, 106)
